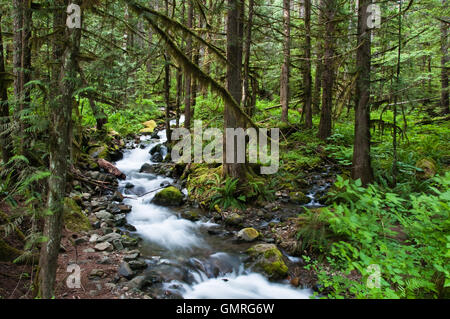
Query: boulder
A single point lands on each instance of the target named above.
(266, 258)
(117, 243)
(137, 264)
(149, 127)
(191, 215)
(103, 215)
(428, 168)
(109, 237)
(138, 282)
(105, 246)
(156, 149)
(120, 220)
(118, 197)
(94, 238)
(298, 198)
(100, 151)
(130, 257)
(169, 196)
(248, 234)
(125, 270)
(157, 158)
(96, 273)
(234, 219)
(147, 168)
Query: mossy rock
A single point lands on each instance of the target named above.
(89, 162)
(191, 215)
(74, 219)
(268, 259)
(198, 182)
(169, 196)
(299, 198)
(428, 167)
(100, 151)
(149, 127)
(8, 253)
(234, 219)
(248, 234)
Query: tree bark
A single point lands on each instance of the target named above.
(5, 137)
(167, 85)
(329, 7)
(361, 166)
(246, 98)
(319, 67)
(187, 77)
(232, 118)
(444, 62)
(284, 81)
(307, 66)
(59, 147)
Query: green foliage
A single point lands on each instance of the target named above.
(407, 237)
(226, 194)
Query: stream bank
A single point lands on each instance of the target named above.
(143, 250)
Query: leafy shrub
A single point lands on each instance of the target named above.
(407, 237)
(226, 194)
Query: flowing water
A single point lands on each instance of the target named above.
(191, 262)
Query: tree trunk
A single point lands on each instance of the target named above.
(307, 66)
(232, 118)
(167, 84)
(319, 67)
(5, 137)
(59, 144)
(284, 81)
(246, 98)
(17, 55)
(187, 77)
(361, 168)
(444, 61)
(329, 7)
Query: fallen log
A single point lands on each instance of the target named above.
(110, 168)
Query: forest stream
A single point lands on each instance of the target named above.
(192, 262)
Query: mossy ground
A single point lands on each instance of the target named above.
(74, 219)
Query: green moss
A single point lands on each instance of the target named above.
(8, 253)
(268, 259)
(234, 219)
(74, 219)
(299, 198)
(428, 167)
(277, 268)
(199, 184)
(100, 151)
(169, 196)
